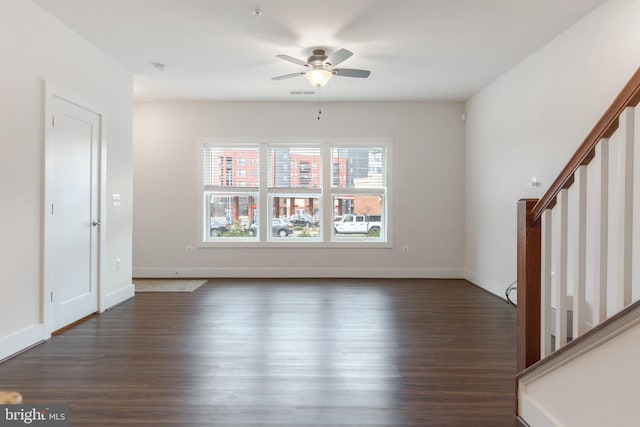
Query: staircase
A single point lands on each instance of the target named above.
(579, 253)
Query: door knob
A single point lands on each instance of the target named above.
(95, 223)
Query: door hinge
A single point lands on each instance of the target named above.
(53, 121)
(51, 208)
(51, 296)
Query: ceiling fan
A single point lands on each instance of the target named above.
(321, 67)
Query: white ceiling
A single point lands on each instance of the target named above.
(220, 50)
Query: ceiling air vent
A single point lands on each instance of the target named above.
(303, 92)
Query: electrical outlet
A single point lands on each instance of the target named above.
(405, 249)
(189, 250)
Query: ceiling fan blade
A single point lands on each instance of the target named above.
(339, 56)
(292, 59)
(351, 72)
(287, 76)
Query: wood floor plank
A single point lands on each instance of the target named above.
(284, 353)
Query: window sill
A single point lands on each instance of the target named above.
(296, 245)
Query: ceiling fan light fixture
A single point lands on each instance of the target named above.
(318, 76)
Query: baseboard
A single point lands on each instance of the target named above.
(28, 337)
(21, 340)
(490, 285)
(117, 297)
(293, 272)
(521, 422)
(533, 414)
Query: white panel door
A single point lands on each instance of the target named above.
(73, 224)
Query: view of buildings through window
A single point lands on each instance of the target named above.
(352, 180)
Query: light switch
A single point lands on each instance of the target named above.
(115, 200)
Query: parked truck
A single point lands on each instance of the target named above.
(358, 224)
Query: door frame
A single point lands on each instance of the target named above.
(51, 92)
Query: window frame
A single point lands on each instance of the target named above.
(326, 194)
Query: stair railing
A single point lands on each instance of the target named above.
(579, 245)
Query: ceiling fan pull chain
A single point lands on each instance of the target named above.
(319, 102)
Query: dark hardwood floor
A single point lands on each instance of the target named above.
(284, 353)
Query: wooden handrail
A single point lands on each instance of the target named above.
(606, 126)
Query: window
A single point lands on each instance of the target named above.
(293, 193)
(312, 193)
(359, 188)
(230, 202)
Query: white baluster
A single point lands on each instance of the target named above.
(624, 181)
(579, 187)
(561, 270)
(635, 244)
(545, 308)
(597, 227)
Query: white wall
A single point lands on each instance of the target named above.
(35, 47)
(530, 121)
(428, 188)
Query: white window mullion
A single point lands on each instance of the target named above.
(264, 212)
(326, 218)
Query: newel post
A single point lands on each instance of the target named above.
(529, 257)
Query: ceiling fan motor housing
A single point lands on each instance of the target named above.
(317, 58)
